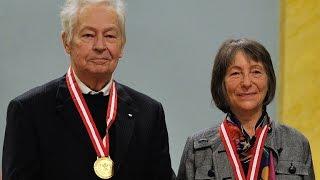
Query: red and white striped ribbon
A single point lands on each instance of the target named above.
(101, 146)
(234, 157)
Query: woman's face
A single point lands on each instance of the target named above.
(246, 84)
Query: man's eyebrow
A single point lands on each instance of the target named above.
(112, 27)
(87, 28)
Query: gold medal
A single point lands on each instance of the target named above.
(103, 167)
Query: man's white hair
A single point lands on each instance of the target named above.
(70, 9)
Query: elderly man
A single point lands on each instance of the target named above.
(85, 125)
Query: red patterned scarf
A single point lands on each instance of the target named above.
(245, 146)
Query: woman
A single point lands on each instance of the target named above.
(247, 144)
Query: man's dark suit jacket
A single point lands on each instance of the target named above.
(45, 138)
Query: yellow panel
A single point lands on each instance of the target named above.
(299, 95)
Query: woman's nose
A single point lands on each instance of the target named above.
(246, 80)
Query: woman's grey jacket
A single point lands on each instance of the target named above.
(204, 156)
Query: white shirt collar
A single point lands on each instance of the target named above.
(86, 90)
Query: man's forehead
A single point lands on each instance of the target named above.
(96, 9)
(102, 17)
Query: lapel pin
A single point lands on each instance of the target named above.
(130, 115)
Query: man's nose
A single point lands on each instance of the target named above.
(99, 44)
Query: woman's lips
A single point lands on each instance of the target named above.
(246, 95)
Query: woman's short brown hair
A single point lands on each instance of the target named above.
(224, 58)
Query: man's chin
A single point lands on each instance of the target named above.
(100, 72)
(96, 70)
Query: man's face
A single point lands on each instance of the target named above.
(97, 42)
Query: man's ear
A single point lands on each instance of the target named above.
(122, 49)
(66, 43)
(121, 54)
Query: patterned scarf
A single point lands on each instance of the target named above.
(244, 144)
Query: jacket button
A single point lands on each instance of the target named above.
(292, 169)
(211, 173)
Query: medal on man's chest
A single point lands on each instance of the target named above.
(103, 166)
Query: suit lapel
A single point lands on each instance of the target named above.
(125, 121)
(271, 140)
(68, 114)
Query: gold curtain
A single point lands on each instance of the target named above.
(299, 97)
